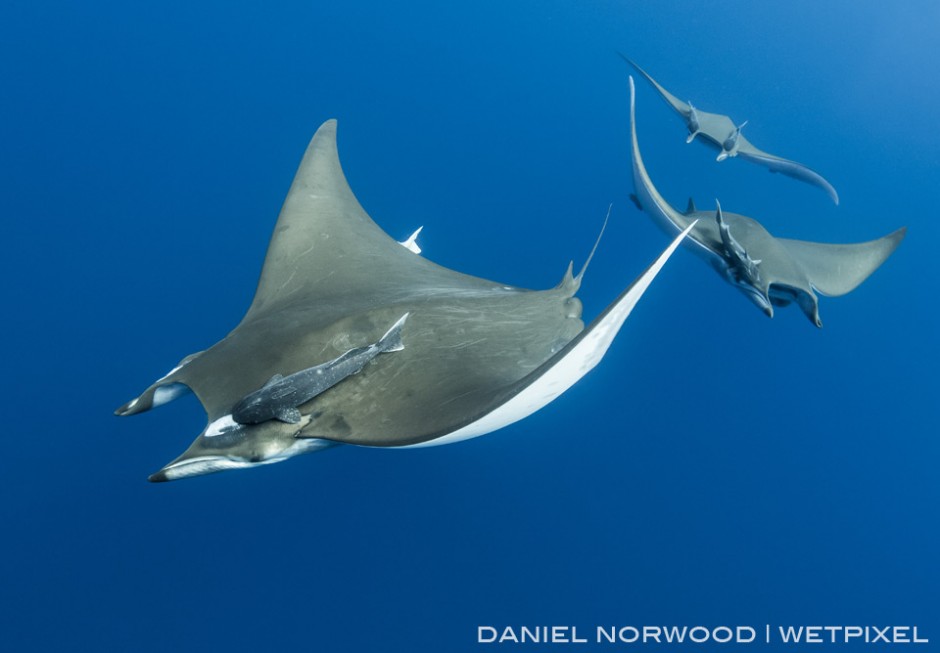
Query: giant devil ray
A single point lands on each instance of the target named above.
(474, 355)
(721, 132)
(770, 271)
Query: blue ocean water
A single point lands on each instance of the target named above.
(718, 468)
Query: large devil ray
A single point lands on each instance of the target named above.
(477, 355)
(720, 131)
(770, 271)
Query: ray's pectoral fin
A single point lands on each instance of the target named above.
(787, 167)
(169, 387)
(680, 107)
(838, 269)
(153, 397)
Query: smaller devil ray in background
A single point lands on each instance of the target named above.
(770, 271)
(721, 132)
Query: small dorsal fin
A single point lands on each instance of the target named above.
(567, 281)
(411, 243)
(597, 242)
(274, 379)
(690, 209)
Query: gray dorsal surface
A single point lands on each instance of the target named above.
(280, 396)
(333, 279)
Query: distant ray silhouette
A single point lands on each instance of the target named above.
(721, 132)
(770, 271)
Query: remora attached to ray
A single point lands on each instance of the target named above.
(477, 354)
(721, 132)
(280, 396)
(770, 271)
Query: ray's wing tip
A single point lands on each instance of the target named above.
(326, 131)
(894, 239)
(626, 58)
(632, 63)
(829, 189)
(794, 169)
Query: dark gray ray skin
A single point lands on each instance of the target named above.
(720, 132)
(281, 395)
(770, 271)
(333, 279)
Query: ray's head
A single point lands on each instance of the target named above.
(227, 445)
(783, 295)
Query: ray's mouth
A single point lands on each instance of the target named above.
(210, 464)
(198, 467)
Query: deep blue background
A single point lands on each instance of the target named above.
(717, 468)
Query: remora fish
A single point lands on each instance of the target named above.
(480, 354)
(281, 395)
